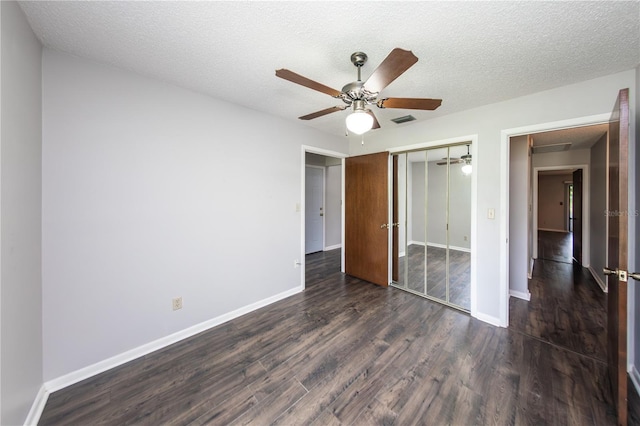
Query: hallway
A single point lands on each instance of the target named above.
(568, 311)
(556, 246)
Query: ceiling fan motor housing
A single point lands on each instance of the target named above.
(358, 59)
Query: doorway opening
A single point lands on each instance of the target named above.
(322, 219)
(557, 216)
(520, 248)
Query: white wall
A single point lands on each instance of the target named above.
(20, 216)
(518, 217)
(582, 99)
(152, 192)
(552, 208)
(562, 158)
(598, 205)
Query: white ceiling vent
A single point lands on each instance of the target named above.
(403, 119)
(551, 148)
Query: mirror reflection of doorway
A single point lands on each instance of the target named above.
(434, 225)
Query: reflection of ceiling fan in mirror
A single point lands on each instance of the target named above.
(359, 94)
(465, 159)
(452, 160)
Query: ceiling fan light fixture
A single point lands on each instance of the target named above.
(359, 121)
(467, 169)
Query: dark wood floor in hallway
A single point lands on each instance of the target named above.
(347, 352)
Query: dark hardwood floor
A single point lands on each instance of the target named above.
(348, 352)
(557, 246)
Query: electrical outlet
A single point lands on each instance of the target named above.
(177, 303)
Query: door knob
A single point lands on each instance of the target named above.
(635, 275)
(608, 271)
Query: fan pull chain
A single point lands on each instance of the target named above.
(362, 136)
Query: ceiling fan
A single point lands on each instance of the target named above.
(359, 94)
(452, 160)
(464, 159)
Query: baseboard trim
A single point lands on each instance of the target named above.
(596, 277)
(520, 294)
(444, 246)
(635, 378)
(489, 319)
(333, 247)
(115, 361)
(37, 407)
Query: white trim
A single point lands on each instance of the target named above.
(530, 271)
(433, 144)
(438, 245)
(635, 377)
(124, 357)
(596, 277)
(520, 294)
(333, 247)
(505, 135)
(37, 407)
(489, 319)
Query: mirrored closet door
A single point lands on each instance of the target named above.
(433, 210)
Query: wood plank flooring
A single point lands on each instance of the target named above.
(347, 352)
(557, 246)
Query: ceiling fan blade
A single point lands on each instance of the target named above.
(410, 103)
(452, 160)
(376, 125)
(323, 112)
(397, 62)
(304, 81)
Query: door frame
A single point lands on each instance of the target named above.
(505, 135)
(586, 241)
(300, 206)
(474, 202)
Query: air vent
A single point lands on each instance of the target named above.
(551, 148)
(403, 119)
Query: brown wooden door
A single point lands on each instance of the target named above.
(617, 258)
(366, 253)
(577, 216)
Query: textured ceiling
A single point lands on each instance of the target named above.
(470, 53)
